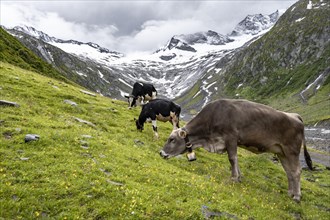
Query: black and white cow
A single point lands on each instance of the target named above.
(161, 110)
(224, 124)
(141, 93)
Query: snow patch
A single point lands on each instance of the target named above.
(313, 86)
(121, 80)
(100, 74)
(87, 51)
(217, 70)
(122, 93)
(211, 85)
(300, 19)
(324, 131)
(310, 5)
(81, 74)
(196, 94)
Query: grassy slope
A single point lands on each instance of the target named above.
(56, 177)
(316, 110)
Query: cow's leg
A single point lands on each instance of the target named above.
(139, 100)
(174, 120)
(153, 95)
(292, 168)
(154, 126)
(142, 100)
(231, 147)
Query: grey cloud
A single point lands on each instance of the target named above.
(127, 16)
(133, 25)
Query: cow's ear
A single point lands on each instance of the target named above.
(126, 96)
(182, 133)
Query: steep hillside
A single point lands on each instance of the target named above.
(12, 51)
(288, 67)
(90, 162)
(288, 58)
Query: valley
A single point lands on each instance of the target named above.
(174, 68)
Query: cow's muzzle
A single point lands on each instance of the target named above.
(163, 154)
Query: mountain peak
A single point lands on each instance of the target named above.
(186, 41)
(34, 33)
(209, 37)
(179, 43)
(253, 24)
(62, 43)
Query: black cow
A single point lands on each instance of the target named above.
(224, 124)
(161, 110)
(141, 92)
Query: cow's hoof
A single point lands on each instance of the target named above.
(236, 179)
(296, 199)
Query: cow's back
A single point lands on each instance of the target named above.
(162, 106)
(250, 123)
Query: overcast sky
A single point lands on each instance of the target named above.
(128, 26)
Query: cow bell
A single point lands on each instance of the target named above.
(191, 156)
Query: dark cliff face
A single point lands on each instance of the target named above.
(187, 41)
(177, 43)
(215, 38)
(209, 37)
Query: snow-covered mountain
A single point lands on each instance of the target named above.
(254, 24)
(35, 33)
(90, 50)
(176, 67)
(173, 69)
(186, 41)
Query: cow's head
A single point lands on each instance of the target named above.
(139, 126)
(131, 101)
(178, 143)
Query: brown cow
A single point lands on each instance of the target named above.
(224, 124)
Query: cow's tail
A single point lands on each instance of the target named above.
(308, 158)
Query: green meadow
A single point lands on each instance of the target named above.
(106, 169)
